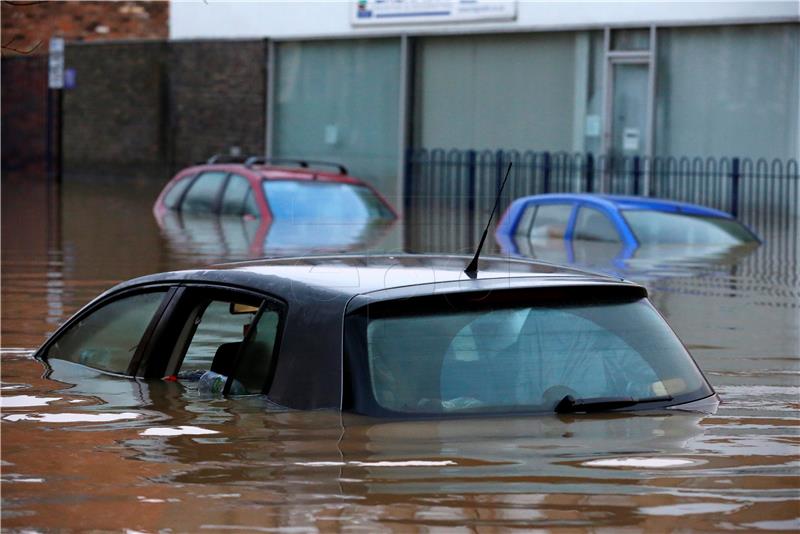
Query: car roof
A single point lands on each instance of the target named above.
(623, 202)
(273, 172)
(383, 276)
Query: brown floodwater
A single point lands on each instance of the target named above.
(82, 450)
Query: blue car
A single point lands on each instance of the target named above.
(600, 230)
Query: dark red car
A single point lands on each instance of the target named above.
(274, 189)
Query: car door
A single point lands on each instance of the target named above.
(179, 332)
(110, 334)
(542, 230)
(596, 239)
(227, 336)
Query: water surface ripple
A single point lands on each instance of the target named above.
(82, 450)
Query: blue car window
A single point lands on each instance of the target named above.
(526, 358)
(108, 338)
(594, 225)
(323, 201)
(202, 195)
(550, 221)
(659, 227)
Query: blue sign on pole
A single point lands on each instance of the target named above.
(70, 78)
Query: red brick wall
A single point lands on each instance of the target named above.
(150, 108)
(24, 105)
(115, 118)
(217, 95)
(28, 26)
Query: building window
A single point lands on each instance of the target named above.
(339, 100)
(728, 91)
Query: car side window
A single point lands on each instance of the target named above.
(215, 327)
(108, 337)
(594, 225)
(228, 338)
(550, 221)
(250, 205)
(202, 195)
(173, 196)
(524, 224)
(235, 197)
(258, 354)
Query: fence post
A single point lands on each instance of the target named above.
(589, 172)
(546, 169)
(735, 176)
(498, 174)
(471, 174)
(408, 181)
(637, 174)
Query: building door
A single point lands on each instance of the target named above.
(629, 109)
(628, 124)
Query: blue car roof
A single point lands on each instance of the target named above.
(622, 202)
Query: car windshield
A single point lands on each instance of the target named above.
(323, 201)
(659, 227)
(528, 359)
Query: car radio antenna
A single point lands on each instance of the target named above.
(472, 268)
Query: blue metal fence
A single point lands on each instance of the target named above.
(450, 192)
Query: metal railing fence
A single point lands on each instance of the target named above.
(449, 193)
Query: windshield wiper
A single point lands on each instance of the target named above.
(570, 404)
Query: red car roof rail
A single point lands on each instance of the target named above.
(249, 161)
(257, 160)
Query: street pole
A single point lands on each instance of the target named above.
(55, 100)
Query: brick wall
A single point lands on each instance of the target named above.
(28, 26)
(24, 115)
(217, 98)
(140, 108)
(114, 118)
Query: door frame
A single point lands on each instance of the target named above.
(638, 57)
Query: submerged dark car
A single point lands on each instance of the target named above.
(392, 336)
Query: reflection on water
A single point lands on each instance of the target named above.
(85, 450)
(232, 237)
(640, 262)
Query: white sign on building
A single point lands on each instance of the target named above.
(55, 63)
(374, 12)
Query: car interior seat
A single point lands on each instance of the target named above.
(225, 358)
